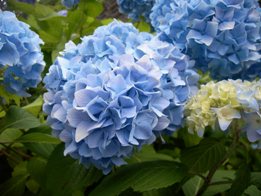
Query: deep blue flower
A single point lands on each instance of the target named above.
(21, 60)
(70, 3)
(105, 95)
(136, 8)
(27, 1)
(222, 36)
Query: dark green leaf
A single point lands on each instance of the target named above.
(65, 175)
(203, 156)
(256, 179)
(18, 118)
(147, 153)
(241, 182)
(14, 186)
(252, 191)
(38, 138)
(36, 168)
(143, 176)
(42, 149)
(192, 186)
(220, 176)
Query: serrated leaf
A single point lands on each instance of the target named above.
(65, 175)
(38, 138)
(252, 191)
(203, 156)
(241, 182)
(143, 176)
(18, 118)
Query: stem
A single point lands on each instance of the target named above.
(220, 182)
(213, 170)
(15, 151)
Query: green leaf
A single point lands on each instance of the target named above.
(10, 135)
(147, 153)
(256, 179)
(38, 138)
(143, 176)
(192, 186)
(252, 191)
(42, 12)
(65, 175)
(36, 168)
(18, 118)
(35, 107)
(32, 185)
(241, 182)
(220, 176)
(203, 156)
(42, 149)
(14, 186)
(93, 8)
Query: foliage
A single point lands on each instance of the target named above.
(179, 162)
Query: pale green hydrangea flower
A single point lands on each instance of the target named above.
(222, 102)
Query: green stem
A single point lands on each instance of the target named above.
(220, 182)
(213, 170)
(17, 152)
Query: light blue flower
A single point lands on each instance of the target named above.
(222, 36)
(135, 9)
(70, 3)
(21, 60)
(106, 96)
(253, 126)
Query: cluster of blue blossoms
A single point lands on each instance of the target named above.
(108, 95)
(120, 89)
(135, 9)
(70, 3)
(222, 36)
(21, 60)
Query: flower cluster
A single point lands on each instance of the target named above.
(27, 1)
(227, 101)
(105, 96)
(222, 36)
(136, 8)
(70, 3)
(21, 60)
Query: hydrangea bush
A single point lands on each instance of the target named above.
(121, 111)
(101, 121)
(21, 59)
(135, 9)
(222, 36)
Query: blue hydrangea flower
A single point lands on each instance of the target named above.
(70, 3)
(222, 36)
(105, 95)
(136, 8)
(27, 1)
(21, 60)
